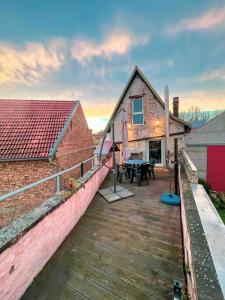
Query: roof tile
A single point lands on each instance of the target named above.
(29, 128)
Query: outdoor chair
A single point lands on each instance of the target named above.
(121, 171)
(132, 172)
(142, 173)
(151, 171)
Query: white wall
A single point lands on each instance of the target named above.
(199, 157)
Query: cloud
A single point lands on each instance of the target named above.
(212, 18)
(216, 74)
(96, 123)
(206, 100)
(31, 63)
(118, 42)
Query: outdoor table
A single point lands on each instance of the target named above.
(133, 164)
(136, 162)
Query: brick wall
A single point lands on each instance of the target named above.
(76, 146)
(15, 175)
(154, 120)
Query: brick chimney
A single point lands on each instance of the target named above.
(176, 106)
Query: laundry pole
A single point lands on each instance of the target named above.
(167, 130)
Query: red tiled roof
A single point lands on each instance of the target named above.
(29, 128)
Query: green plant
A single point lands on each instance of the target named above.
(205, 184)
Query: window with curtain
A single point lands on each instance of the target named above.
(137, 111)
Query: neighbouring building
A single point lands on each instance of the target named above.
(39, 138)
(206, 148)
(146, 120)
(97, 137)
(195, 125)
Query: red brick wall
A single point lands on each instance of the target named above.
(15, 175)
(76, 146)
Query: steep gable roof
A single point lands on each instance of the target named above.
(212, 122)
(30, 129)
(212, 133)
(142, 76)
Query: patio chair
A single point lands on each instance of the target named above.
(121, 171)
(151, 171)
(143, 169)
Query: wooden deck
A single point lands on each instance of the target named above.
(130, 249)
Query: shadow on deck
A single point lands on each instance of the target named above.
(130, 249)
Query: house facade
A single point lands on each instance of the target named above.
(37, 139)
(145, 112)
(206, 148)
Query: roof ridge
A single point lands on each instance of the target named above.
(128, 83)
(38, 100)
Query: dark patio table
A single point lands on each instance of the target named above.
(136, 162)
(131, 165)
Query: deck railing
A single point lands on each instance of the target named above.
(91, 162)
(54, 176)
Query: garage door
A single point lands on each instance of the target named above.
(216, 167)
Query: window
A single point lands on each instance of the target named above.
(137, 109)
(155, 150)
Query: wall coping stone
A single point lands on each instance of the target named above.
(12, 232)
(214, 230)
(190, 169)
(206, 279)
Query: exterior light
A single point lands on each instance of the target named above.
(157, 122)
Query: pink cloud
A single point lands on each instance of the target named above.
(118, 42)
(29, 64)
(210, 19)
(216, 74)
(206, 100)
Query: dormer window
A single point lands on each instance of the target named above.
(137, 111)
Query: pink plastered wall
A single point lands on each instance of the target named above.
(21, 262)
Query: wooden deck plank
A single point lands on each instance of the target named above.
(148, 284)
(115, 258)
(106, 280)
(130, 249)
(144, 231)
(132, 253)
(131, 230)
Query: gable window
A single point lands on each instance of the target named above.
(137, 111)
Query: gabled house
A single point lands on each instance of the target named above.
(206, 148)
(146, 120)
(39, 138)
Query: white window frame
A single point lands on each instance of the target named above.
(163, 162)
(137, 113)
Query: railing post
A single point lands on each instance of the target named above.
(58, 183)
(82, 169)
(176, 179)
(55, 177)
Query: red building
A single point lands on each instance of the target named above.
(206, 148)
(37, 139)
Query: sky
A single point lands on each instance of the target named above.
(86, 50)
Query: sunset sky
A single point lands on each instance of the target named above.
(87, 50)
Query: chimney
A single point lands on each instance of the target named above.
(176, 106)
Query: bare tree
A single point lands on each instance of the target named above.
(194, 113)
